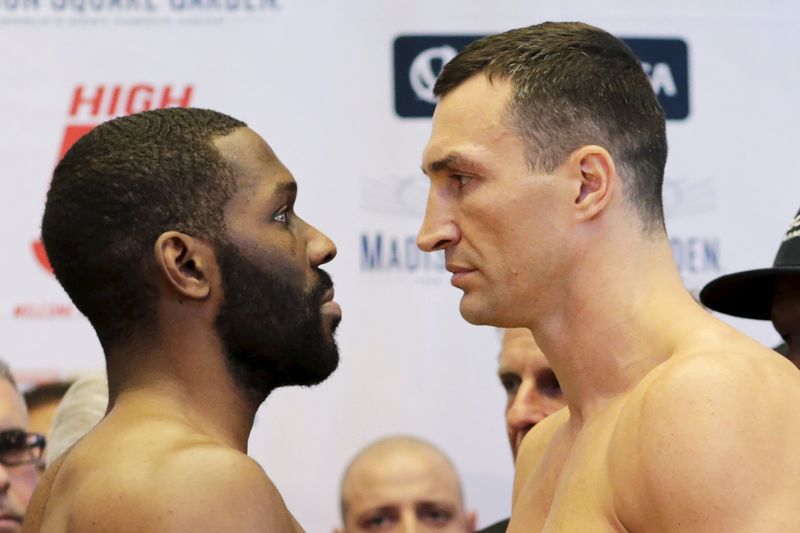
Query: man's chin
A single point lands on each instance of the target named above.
(475, 312)
(323, 370)
(479, 312)
(330, 323)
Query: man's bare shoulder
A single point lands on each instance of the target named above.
(198, 488)
(35, 511)
(708, 440)
(534, 446)
(183, 484)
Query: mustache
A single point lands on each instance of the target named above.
(324, 282)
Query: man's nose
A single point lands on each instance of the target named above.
(528, 409)
(438, 229)
(5, 480)
(320, 248)
(408, 523)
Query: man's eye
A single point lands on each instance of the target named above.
(510, 384)
(281, 216)
(549, 385)
(375, 523)
(435, 516)
(462, 180)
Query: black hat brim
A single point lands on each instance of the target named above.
(745, 294)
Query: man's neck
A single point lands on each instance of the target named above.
(614, 322)
(187, 380)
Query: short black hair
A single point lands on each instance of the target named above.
(115, 191)
(45, 393)
(573, 85)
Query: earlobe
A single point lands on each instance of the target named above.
(472, 521)
(183, 263)
(597, 173)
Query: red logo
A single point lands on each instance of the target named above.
(92, 105)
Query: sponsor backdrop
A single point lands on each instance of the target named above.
(342, 91)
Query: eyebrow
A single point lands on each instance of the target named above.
(453, 159)
(286, 187)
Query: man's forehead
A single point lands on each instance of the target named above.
(468, 120)
(519, 336)
(519, 349)
(13, 413)
(478, 97)
(403, 477)
(242, 142)
(378, 491)
(253, 162)
(244, 148)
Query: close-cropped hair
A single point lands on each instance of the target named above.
(115, 191)
(45, 393)
(574, 85)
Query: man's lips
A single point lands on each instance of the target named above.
(6, 518)
(460, 273)
(328, 305)
(328, 296)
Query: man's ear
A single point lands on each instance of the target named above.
(184, 263)
(472, 521)
(596, 177)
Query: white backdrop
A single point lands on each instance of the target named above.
(315, 78)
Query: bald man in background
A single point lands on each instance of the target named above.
(532, 391)
(403, 485)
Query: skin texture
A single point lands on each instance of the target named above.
(786, 315)
(171, 453)
(16, 482)
(531, 386)
(674, 421)
(403, 485)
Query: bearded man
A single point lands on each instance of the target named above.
(174, 232)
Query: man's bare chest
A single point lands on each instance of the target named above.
(569, 490)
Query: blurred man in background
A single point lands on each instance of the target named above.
(20, 454)
(532, 391)
(766, 293)
(42, 402)
(532, 388)
(403, 485)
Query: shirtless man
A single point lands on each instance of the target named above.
(546, 161)
(173, 231)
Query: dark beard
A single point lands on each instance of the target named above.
(272, 330)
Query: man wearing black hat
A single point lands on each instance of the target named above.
(766, 293)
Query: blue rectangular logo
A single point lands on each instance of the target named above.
(418, 60)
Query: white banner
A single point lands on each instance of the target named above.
(337, 89)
